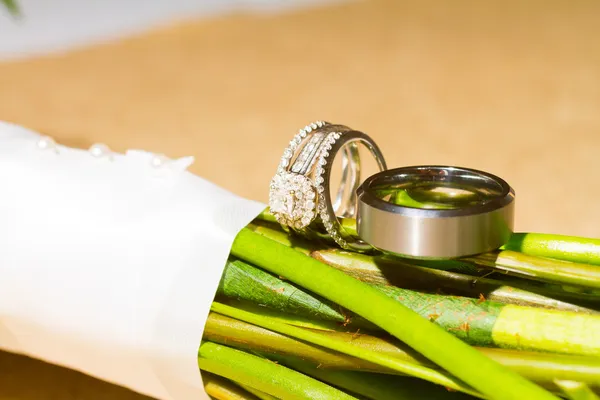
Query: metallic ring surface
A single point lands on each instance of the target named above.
(414, 229)
(300, 197)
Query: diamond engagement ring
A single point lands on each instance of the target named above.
(300, 197)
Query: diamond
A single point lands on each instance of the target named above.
(313, 125)
(320, 189)
(285, 162)
(287, 153)
(322, 161)
(308, 129)
(291, 199)
(337, 135)
(319, 180)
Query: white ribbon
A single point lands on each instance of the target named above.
(108, 264)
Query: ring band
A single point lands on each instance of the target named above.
(470, 211)
(299, 196)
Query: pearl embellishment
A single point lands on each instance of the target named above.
(99, 150)
(159, 160)
(45, 143)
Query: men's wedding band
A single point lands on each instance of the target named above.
(435, 211)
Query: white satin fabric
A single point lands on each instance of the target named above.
(108, 265)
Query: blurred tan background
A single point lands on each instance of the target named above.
(509, 87)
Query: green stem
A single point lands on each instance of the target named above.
(542, 368)
(449, 352)
(376, 386)
(264, 375)
(258, 393)
(242, 281)
(569, 248)
(266, 216)
(401, 273)
(242, 335)
(542, 268)
(399, 365)
(576, 390)
(275, 233)
(223, 389)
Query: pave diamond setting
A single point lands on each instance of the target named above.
(292, 195)
(330, 226)
(292, 199)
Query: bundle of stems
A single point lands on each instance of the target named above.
(299, 319)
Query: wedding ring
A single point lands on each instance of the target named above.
(435, 211)
(299, 195)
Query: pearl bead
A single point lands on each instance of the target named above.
(159, 160)
(45, 143)
(99, 150)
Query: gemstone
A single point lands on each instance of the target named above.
(291, 199)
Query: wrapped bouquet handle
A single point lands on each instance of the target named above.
(110, 262)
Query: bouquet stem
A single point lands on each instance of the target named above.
(543, 269)
(460, 359)
(263, 375)
(569, 248)
(542, 368)
(223, 389)
(402, 273)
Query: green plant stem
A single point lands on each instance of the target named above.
(375, 386)
(401, 273)
(399, 365)
(239, 334)
(449, 352)
(576, 390)
(266, 215)
(542, 368)
(569, 248)
(258, 393)
(284, 317)
(275, 233)
(263, 375)
(542, 268)
(223, 389)
(245, 282)
(475, 321)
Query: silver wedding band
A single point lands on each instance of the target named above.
(448, 228)
(299, 196)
